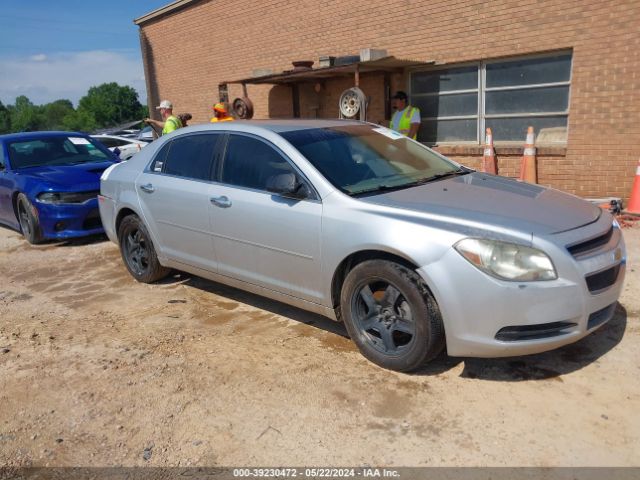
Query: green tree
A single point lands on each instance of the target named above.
(79, 121)
(5, 119)
(55, 112)
(111, 104)
(26, 117)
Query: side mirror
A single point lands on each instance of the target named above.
(288, 185)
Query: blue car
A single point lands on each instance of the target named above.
(49, 184)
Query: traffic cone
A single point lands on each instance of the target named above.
(634, 199)
(489, 164)
(528, 168)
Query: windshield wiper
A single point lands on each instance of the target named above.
(422, 181)
(438, 176)
(381, 188)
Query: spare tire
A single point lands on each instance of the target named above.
(242, 108)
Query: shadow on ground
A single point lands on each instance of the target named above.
(543, 366)
(273, 306)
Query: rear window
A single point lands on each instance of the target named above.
(56, 150)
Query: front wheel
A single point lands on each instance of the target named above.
(28, 220)
(391, 315)
(138, 252)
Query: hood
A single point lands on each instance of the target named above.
(82, 177)
(495, 201)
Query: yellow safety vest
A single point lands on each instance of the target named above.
(404, 127)
(170, 124)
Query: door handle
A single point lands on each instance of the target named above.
(147, 188)
(222, 202)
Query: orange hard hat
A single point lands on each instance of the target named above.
(219, 107)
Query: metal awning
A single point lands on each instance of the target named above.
(386, 64)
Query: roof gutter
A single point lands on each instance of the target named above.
(163, 11)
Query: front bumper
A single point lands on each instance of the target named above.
(478, 309)
(60, 222)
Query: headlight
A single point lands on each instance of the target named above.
(507, 261)
(66, 197)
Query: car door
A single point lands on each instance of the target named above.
(260, 237)
(174, 196)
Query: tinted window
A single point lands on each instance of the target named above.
(250, 163)
(158, 163)
(529, 71)
(363, 159)
(107, 142)
(516, 94)
(2, 162)
(56, 150)
(191, 156)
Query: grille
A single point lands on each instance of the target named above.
(92, 220)
(601, 280)
(582, 248)
(533, 332)
(80, 197)
(601, 316)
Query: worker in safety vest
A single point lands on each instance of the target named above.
(220, 114)
(169, 121)
(406, 119)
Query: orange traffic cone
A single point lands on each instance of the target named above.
(634, 199)
(528, 169)
(489, 164)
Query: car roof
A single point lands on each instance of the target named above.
(280, 126)
(10, 137)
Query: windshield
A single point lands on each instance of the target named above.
(361, 159)
(56, 150)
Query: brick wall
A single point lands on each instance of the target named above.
(189, 56)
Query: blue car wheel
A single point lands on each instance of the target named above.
(29, 223)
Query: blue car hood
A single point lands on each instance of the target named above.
(495, 201)
(82, 177)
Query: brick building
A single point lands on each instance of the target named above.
(570, 68)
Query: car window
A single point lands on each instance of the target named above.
(158, 162)
(250, 163)
(107, 142)
(364, 159)
(190, 156)
(56, 150)
(2, 162)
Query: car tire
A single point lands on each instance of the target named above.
(391, 315)
(29, 223)
(137, 250)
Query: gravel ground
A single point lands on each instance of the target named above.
(98, 370)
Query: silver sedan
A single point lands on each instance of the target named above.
(412, 251)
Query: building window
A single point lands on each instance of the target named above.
(458, 103)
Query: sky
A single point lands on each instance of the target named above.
(57, 49)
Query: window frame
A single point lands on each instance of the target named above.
(482, 89)
(215, 156)
(222, 158)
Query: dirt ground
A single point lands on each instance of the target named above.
(98, 370)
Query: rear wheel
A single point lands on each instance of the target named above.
(391, 315)
(138, 252)
(29, 223)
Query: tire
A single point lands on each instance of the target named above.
(29, 223)
(391, 315)
(138, 253)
